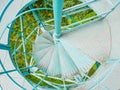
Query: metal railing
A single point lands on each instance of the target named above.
(5, 8)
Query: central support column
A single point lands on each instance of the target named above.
(57, 8)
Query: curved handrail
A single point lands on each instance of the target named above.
(99, 16)
(5, 8)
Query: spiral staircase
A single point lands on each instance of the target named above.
(68, 55)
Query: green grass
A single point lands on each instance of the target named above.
(36, 80)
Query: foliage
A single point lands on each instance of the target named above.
(36, 80)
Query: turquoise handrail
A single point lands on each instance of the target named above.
(5, 8)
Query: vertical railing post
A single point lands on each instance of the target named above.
(57, 8)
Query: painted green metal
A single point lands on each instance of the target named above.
(112, 8)
(16, 83)
(35, 14)
(4, 47)
(5, 8)
(86, 3)
(57, 8)
(37, 85)
(23, 40)
(7, 71)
